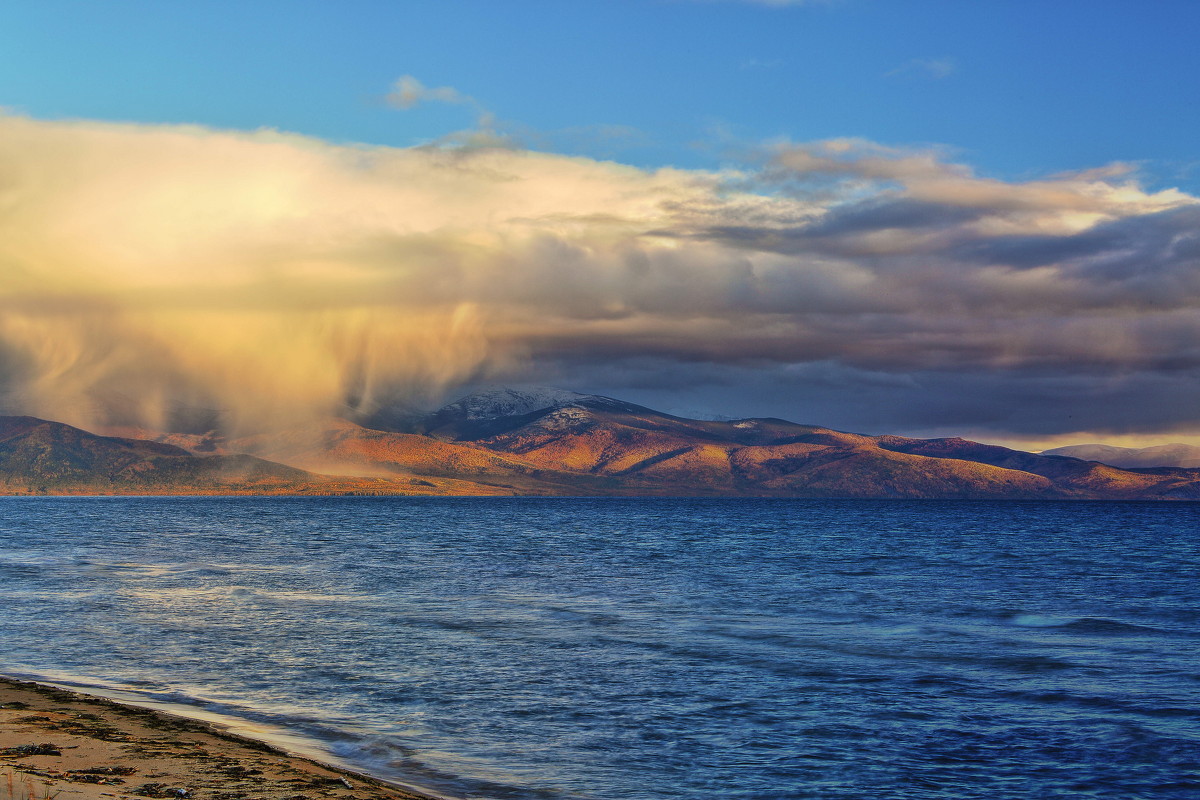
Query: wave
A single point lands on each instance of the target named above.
(1094, 626)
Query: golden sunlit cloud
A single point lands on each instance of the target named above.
(146, 269)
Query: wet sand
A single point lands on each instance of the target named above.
(60, 744)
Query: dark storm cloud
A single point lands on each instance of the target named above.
(886, 213)
(1121, 249)
(985, 405)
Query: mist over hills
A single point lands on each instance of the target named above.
(534, 441)
(1163, 455)
(43, 457)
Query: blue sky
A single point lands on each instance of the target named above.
(927, 217)
(1016, 88)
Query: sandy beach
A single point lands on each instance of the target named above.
(61, 744)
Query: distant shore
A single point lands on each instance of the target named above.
(62, 744)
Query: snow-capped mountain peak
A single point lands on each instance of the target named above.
(510, 402)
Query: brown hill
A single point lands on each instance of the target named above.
(341, 447)
(41, 457)
(1075, 477)
(651, 452)
(49, 457)
(578, 445)
(644, 451)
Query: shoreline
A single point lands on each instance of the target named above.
(62, 743)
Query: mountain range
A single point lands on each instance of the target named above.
(553, 442)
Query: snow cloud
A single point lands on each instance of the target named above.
(148, 269)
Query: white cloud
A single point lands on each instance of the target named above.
(408, 92)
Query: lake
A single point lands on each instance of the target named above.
(549, 648)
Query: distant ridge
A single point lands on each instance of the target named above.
(48, 457)
(42, 457)
(1163, 455)
(534, 441)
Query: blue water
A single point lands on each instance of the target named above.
(566, 648)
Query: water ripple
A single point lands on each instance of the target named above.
(666, 649)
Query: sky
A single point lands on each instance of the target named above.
(912, 217)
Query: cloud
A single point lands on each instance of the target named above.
(408, 92)
(935, 68)
(147, 270)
